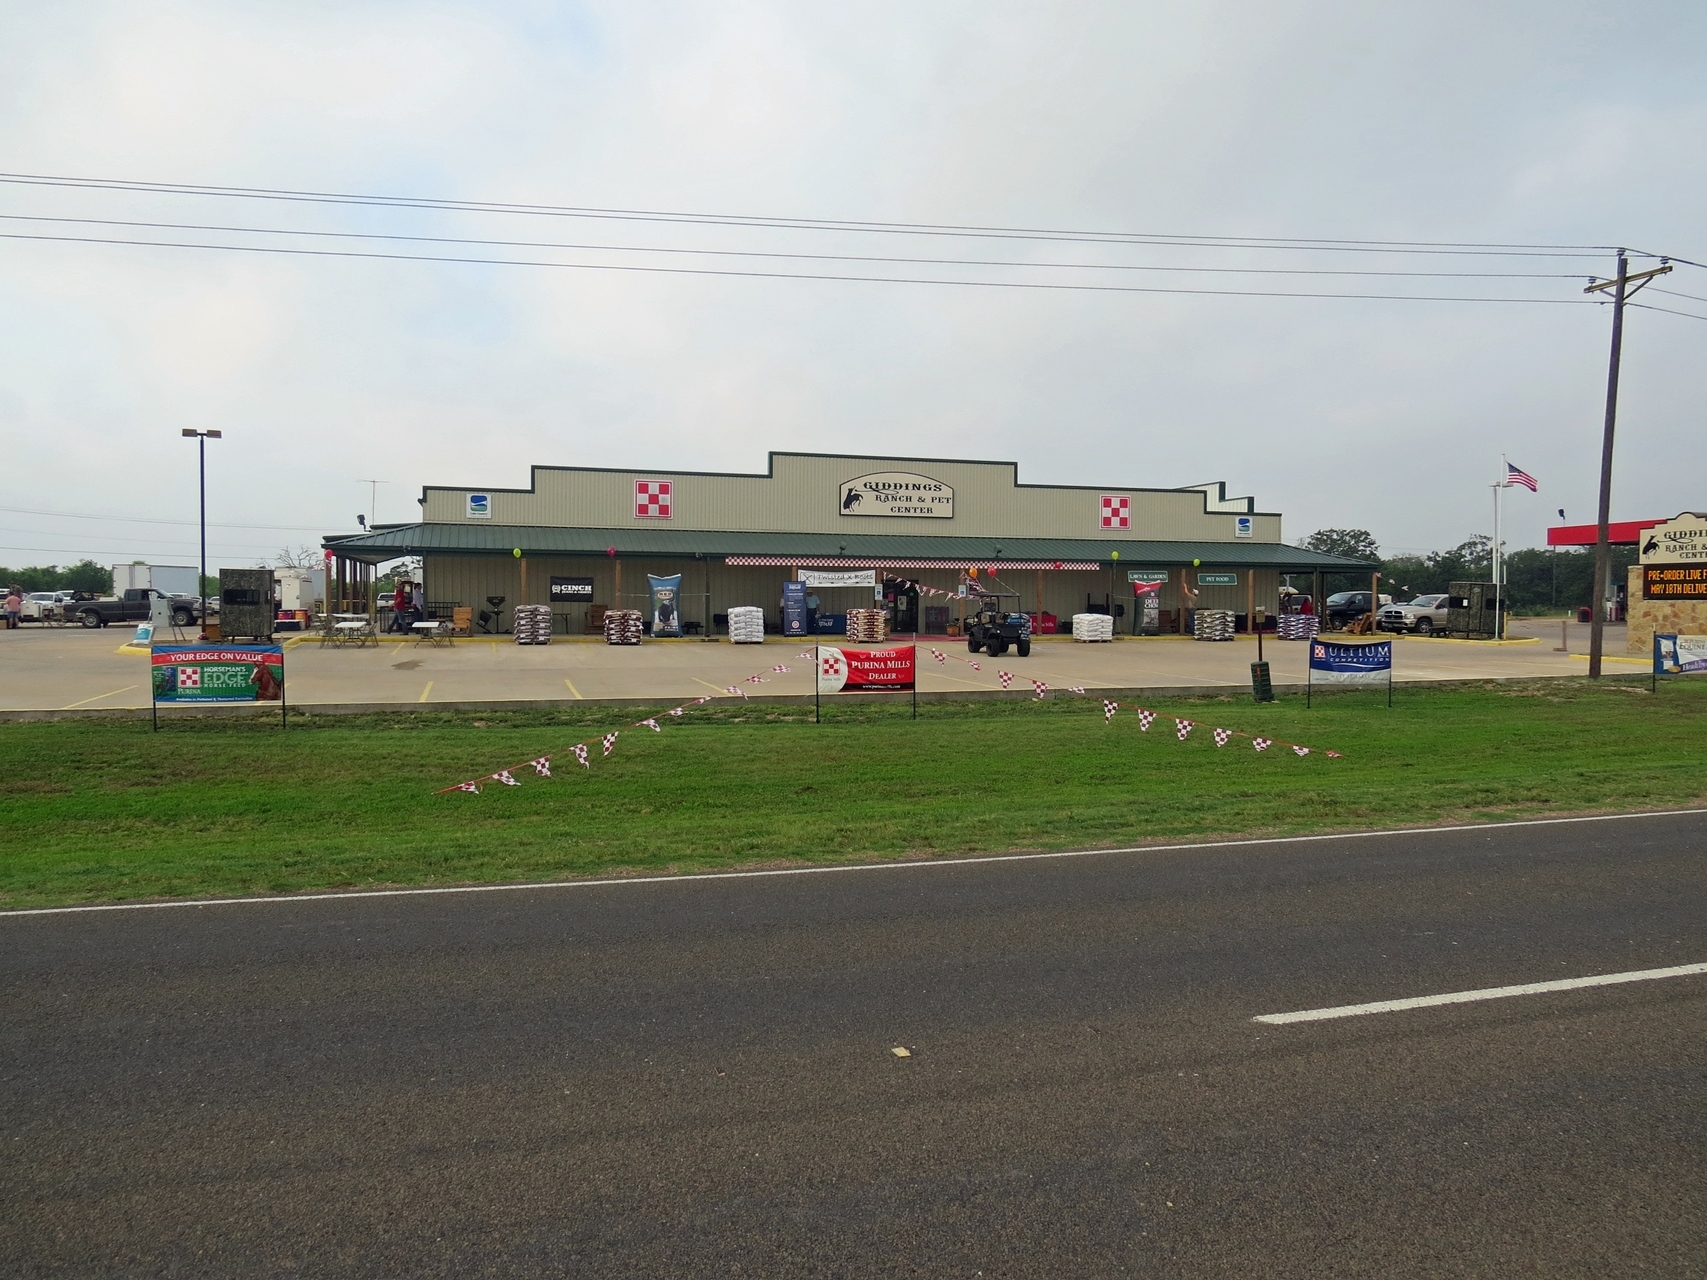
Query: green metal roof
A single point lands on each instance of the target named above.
(550, 540)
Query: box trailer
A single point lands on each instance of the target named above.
(168, 579)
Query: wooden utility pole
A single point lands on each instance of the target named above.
(1621, 293)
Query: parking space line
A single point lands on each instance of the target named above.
(425, 692)
(572, 688)
(98, 697)
(1485, 993)
(713, 687)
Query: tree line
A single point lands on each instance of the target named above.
(1537, 579)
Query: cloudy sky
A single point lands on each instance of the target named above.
(1522, 124)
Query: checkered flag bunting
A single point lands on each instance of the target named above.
(469, 786)
(581, 755)
(810, 653)
(609, 741)
(1221, 736)
(1262, 744)
(678, 711)
(755, 679)
(1006, 677)
(504, 776)
(1040, 686)
(1333, 755)
(974, 666)
(1074, 688)
(542, 766)
(780, 669)
(1183, 728)
(1300, 751)
(649, 724)
(938, 654)
(1108, 710)
(734, 688)
(1145, 720)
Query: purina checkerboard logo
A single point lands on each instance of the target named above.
(479, 506)
(189, 677)
(1116, 511)
(651, 499)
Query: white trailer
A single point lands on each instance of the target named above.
(168, 579)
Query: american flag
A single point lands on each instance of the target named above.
(1517, 475)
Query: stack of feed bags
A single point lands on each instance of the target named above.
(1297, 626)
(747, 624)
(867, 626)
(624, 626)
(532, 624)
(1093, 628)
(1213, 624)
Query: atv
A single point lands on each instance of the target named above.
(994, 627)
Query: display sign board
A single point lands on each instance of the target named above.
(1674, 582)
(794, 609)
(479, 506)
(834, 578)
(1679, 655)
(569, 590)
(1150, 577)
(847, 670)
(1217, 579)
(218, 673)
(1332, 663)
(666, 604)
(1679, 541)
(1244, 527)
(896, 493)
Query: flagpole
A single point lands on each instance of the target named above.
(1499, 557)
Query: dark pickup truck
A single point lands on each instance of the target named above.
(131, 606)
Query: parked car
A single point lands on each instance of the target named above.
(1421, 615)
(1347, 606)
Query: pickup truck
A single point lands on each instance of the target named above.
(1347, 606)
(132, 605)
(1423, 615)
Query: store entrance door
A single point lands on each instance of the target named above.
(901, 600)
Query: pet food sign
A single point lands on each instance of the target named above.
(218, 673)
(897, 493)
(850, 670)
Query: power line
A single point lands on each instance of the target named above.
(768, 222)
(807, 257)
(1675, 294)
(781, 275)
(1648, 306)
(77, 515)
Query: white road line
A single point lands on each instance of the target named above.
(613, 882)
(1486, 993)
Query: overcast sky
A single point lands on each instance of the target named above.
(1520, 123)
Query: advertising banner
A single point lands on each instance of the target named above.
(570, 590)
(794, 608)
(1679, 655)
(851, 670)
(1332, 663)
(666, 604)
(835, 578)
(218, 673)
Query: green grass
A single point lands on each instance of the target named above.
(101, 811)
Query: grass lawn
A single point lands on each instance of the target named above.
(101, 811)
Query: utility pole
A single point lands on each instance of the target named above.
(1621, 293)
(201, 439)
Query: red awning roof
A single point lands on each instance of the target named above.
(1585, 535)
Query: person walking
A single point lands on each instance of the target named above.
(14, 606)
(400, 607)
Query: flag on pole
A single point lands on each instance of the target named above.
(1517, 475)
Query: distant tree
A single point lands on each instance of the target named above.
(85, 575)
(1354, 544)
(299, 558)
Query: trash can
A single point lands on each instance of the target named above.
(1585, 614)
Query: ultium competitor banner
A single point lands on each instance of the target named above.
(218, 673)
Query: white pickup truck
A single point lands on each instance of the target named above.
(1422, 615)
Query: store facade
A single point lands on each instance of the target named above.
(585, 539)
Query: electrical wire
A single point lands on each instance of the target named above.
(1673, 293)
(193, 524)
(1342, 245)
(1648, 306)
(783, 275)
(806, 257)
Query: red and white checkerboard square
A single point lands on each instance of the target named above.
(1116, 511)
(652, 499)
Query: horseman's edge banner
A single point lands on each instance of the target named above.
(217, 673)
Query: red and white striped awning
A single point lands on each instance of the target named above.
(892, 562)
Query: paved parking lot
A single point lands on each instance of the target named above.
(66, 669)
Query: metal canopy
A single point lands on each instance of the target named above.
(395, 541)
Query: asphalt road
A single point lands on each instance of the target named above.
(697, 1078)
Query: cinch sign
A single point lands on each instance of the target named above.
(896, 493)
(854, 669)
(233, 673)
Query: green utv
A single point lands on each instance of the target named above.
(994, 627)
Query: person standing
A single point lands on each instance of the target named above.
(14, 606)
(418, 603)
(400, 607)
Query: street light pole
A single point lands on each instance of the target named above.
(202, 437)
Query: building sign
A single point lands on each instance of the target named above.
(652, 499)
(831, 578)
(1148, 576)
(1115, 511)
(1679, 541)
(1244, 527)
(854, 669)
(479, 506)
(1674, 582)
(897, 493)
(1217, 579)
(218, 673)
(1679, 655)
(1351, 663)
(568, 590)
